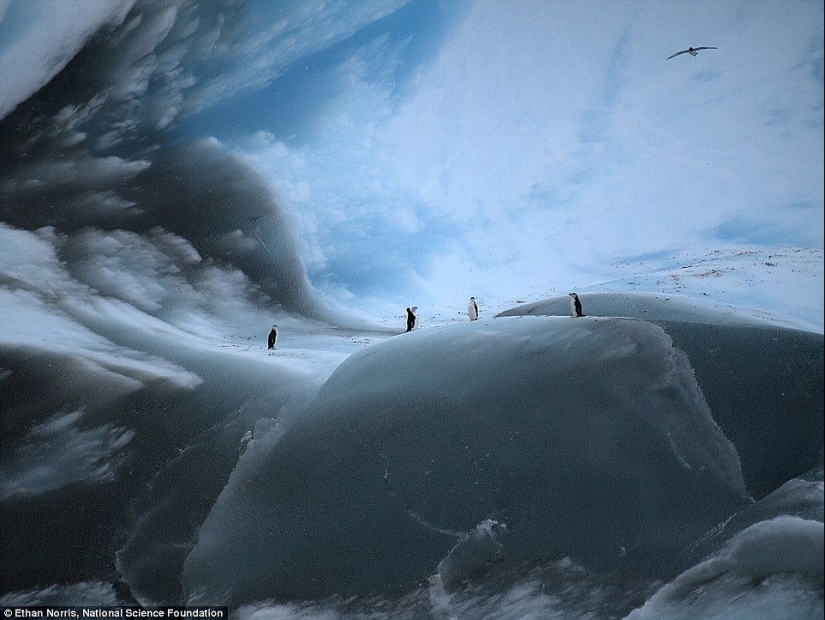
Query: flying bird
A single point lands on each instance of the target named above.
(692, 51)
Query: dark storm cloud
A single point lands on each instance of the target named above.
(228, 213)
(83, 172)
(92, 150)
(223, 210)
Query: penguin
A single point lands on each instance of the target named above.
(575, 305)
(472, 309)
(411, 318)
(273, 338)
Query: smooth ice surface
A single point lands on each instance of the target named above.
(757, 374)
(587, 438)
(770, 559)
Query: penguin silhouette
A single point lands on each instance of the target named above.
(411, 318)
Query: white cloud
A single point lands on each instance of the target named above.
(302, 29)
(538, 145)
(547, 141)
(41, 36)
(58, 452)
(288, 173)
(88, 172)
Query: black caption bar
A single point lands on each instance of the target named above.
(81, 612)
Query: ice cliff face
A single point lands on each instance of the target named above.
(762, 381)
(587, 438)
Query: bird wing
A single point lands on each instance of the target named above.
(695, 49)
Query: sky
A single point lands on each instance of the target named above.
(422, 152)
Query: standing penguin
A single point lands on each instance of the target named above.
(472, 309)
(273, 338)
(575, 305)
(411, 318)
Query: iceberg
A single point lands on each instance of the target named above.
(586, 438)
